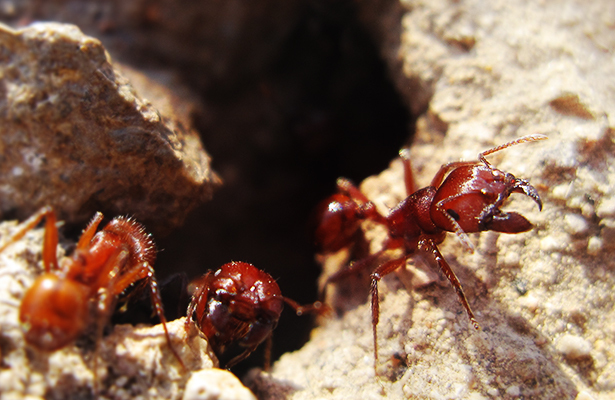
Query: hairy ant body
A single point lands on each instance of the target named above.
(236, 308)
(56, 309)
(464, 197)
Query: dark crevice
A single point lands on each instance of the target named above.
(323, 107)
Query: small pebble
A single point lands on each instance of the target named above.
(215, 384)
(583, 395)
(573, 346)
(594, 245)
(560, 192)
(513, 391)
(553, 243)
(606, 208)
(575, 224)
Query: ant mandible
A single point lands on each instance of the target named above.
(237, 307)
(464, 197)
(55, 310)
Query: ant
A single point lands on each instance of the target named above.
(237, 307)
(55, 310)
(464, 197)
(338, 217)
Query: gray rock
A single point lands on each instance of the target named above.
(74, 134)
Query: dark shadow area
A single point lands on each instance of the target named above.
(324, 108)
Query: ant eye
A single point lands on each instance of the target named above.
(486, 221)
(453, 214)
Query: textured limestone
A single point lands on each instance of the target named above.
(482, 73)
(74, 134)
(219, 43)
(493, 71)
(216, 384)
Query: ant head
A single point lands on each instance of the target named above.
(54, 311)
(473, 195)
(237, 307)
(247, 293)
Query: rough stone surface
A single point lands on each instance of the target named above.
(216, 384)
(131, 362)
(493, 71)
(74, 134)
(479, 73)
(221, 43)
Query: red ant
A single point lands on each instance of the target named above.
(237, 307)
(55, 310)
(464, 197)
(339, 217)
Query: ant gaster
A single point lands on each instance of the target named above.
(338, 218)
(464, 197)
(56, 309)
(237, 307)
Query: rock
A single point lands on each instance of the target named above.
(221, 44)
(216, 384)
(486, 74)
(74, 134)
(477, 74)
(574, 347)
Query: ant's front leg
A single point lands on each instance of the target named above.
(365, 208)
(134, 274)
(89, 231)
(50, 240)
(409, 181)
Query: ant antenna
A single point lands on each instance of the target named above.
(523, 139)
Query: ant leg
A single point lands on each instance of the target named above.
(404, 154)
(50, 240)
(461, 234)
(367, 209)
(105, 299)
(240, 357)
(346, 186)
(157, 303)
(268, 347)
(430, 246)
(317, 307)
(196, 299)
(136, 273)
(89, 231)
(360, 265)
(352, 269)
(376, 276)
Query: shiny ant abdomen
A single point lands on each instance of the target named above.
(236, 308)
